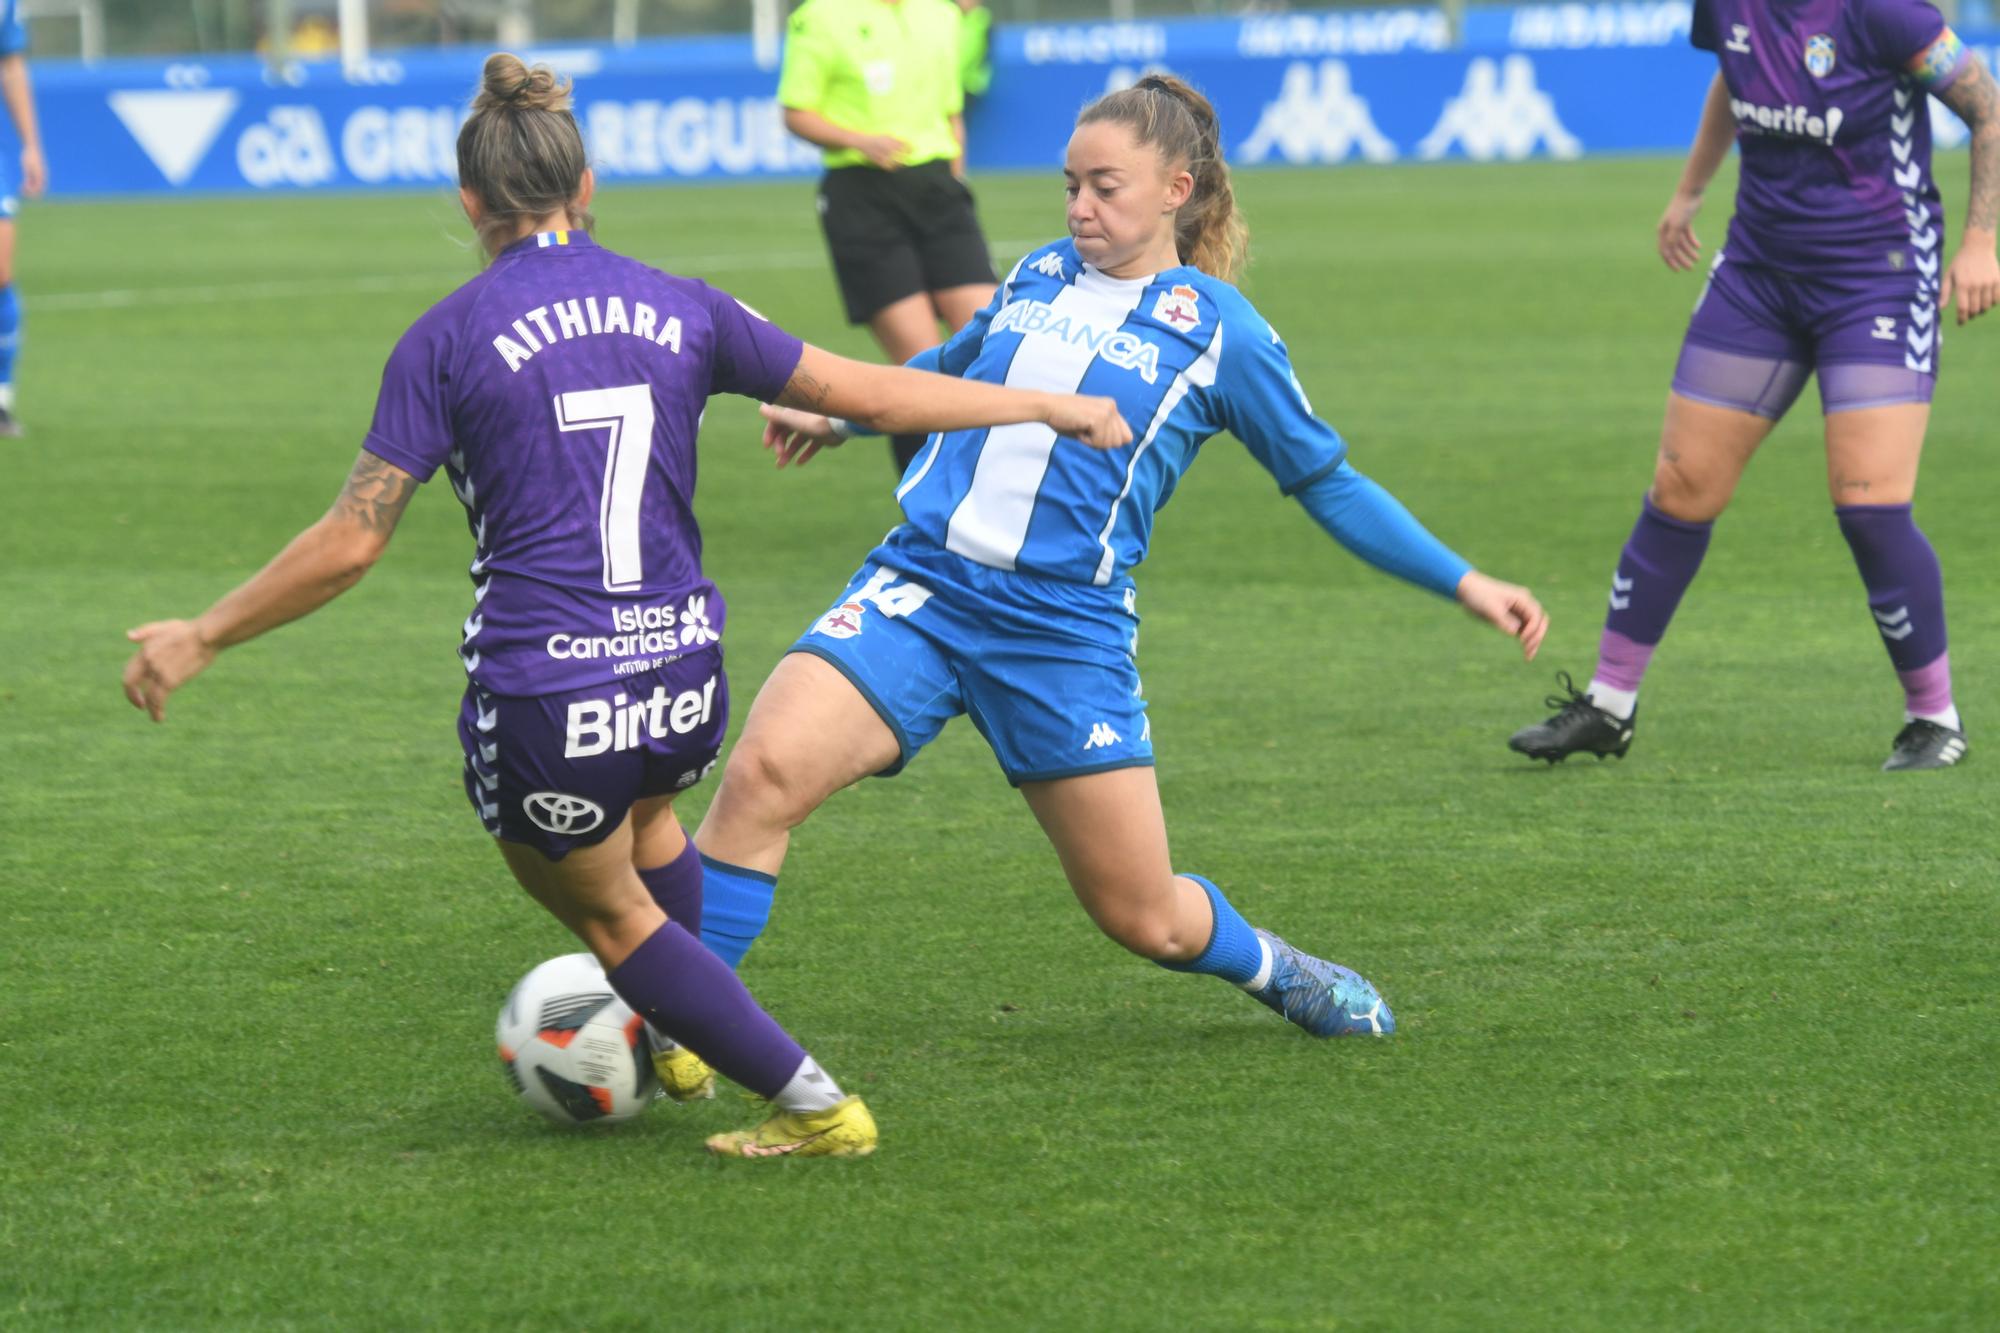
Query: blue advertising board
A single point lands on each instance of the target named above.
(1382, 85)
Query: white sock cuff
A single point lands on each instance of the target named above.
(1619, 703)
(1263, 977)
(811, 1089)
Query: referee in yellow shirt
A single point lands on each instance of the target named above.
(875, 83)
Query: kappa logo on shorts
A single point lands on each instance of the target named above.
(843, 622)
(560, 813)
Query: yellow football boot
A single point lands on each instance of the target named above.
(684, 1076)
(844, 1129)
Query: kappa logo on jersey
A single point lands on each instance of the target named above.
(1316, 117)
(1500, 113)
(843, 622)
(1739, 39)
(1128, 351)
(1050, 265)
(618, 724)
(1101, 736)
(1819, 55)
(1179, 306)
(560, 813)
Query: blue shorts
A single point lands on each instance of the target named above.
(561, 771)
(10, 189)
(1044, 668)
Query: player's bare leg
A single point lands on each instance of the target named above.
(1111, 836)
(1872, 455)
(809, 734)
(955, 306)
(1703, 452)
(904, 328)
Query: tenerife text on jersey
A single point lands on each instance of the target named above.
(1796, 122)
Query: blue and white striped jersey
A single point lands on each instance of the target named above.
(1184, 355)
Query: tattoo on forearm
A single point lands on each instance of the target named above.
(805, 391)
(1976, 99)
(375, 494)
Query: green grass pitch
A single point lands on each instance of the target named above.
(1705, 1039)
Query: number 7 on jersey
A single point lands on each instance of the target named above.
(627, 412)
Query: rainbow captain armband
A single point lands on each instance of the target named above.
(1939, 63)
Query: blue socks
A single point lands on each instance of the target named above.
(736, 906)
(1234, 952)
(10, 332)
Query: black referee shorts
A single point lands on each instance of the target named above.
(897, 233)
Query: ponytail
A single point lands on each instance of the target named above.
(1167, 114)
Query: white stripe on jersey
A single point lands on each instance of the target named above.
(1199, 374)
(935, 443)
(990, 524)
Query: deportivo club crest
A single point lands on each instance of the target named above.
(1179, 306)
(1819, 56)
(843, 622)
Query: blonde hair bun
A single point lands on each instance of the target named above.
(508, 82)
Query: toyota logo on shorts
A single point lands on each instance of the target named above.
(559, 812)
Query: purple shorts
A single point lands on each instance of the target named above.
(1757, 333)
(560, 771)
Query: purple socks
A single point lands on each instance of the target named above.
(1905, 592)
(1906, 595)
(676, 887)
(1659, 561)
(687, 992)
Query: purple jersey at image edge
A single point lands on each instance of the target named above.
(562, 391)
(1834, 133)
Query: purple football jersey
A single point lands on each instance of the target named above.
(1835, 134)
(562, 390)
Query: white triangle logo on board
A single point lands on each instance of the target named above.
(175, 128)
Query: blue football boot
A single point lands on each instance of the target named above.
(1324, 998)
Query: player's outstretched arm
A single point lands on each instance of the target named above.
(1374, 526)
(322, 562)
(896, 400)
